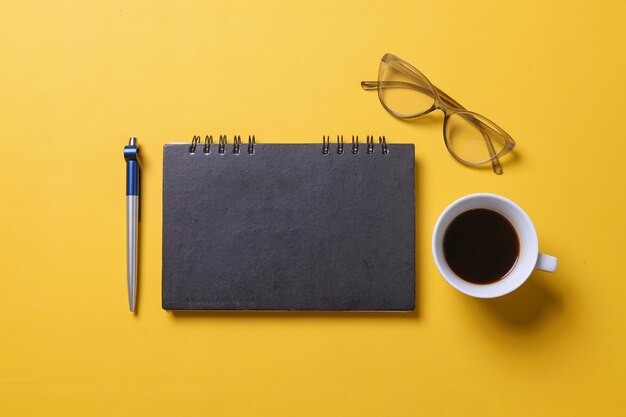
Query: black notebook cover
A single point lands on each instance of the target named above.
(288, 228)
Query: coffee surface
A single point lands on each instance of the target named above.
(481, 246)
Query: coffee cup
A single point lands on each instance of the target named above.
(477, 212)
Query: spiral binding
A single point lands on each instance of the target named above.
(237, 140)
(355, 144)
(222, 145)
(222, 142)
(383, 144)
(194, 142)
(208, 141)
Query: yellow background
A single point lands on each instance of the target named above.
(77, 78)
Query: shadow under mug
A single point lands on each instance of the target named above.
(528, 259)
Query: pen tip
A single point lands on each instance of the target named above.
(132, 141)
(131, 299)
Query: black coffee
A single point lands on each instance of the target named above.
(481, 246)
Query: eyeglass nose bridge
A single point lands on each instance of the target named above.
(445, 103)
(446, 110)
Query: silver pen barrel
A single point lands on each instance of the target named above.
(133, 184)
(132, 223)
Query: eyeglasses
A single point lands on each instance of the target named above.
(406, 93)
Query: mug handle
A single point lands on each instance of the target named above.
(546, 263)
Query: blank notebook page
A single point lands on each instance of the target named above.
(288, 228)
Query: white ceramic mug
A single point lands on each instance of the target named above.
(529, 257)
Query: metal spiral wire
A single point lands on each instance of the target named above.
(371, 144)
(340, 144)
(355, 144)
(237, 144)
(194, 143)
(208, 141)
(222, 142)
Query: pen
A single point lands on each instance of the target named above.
(133, 171)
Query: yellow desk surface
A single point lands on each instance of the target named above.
(77, 78)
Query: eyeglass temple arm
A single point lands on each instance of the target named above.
(448, 101)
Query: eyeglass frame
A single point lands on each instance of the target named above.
(443, 102)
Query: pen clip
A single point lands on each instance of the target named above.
(133, 172)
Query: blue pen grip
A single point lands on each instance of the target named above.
(131, 155)
(132, 177)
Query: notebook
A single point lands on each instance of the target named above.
(251, 226)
